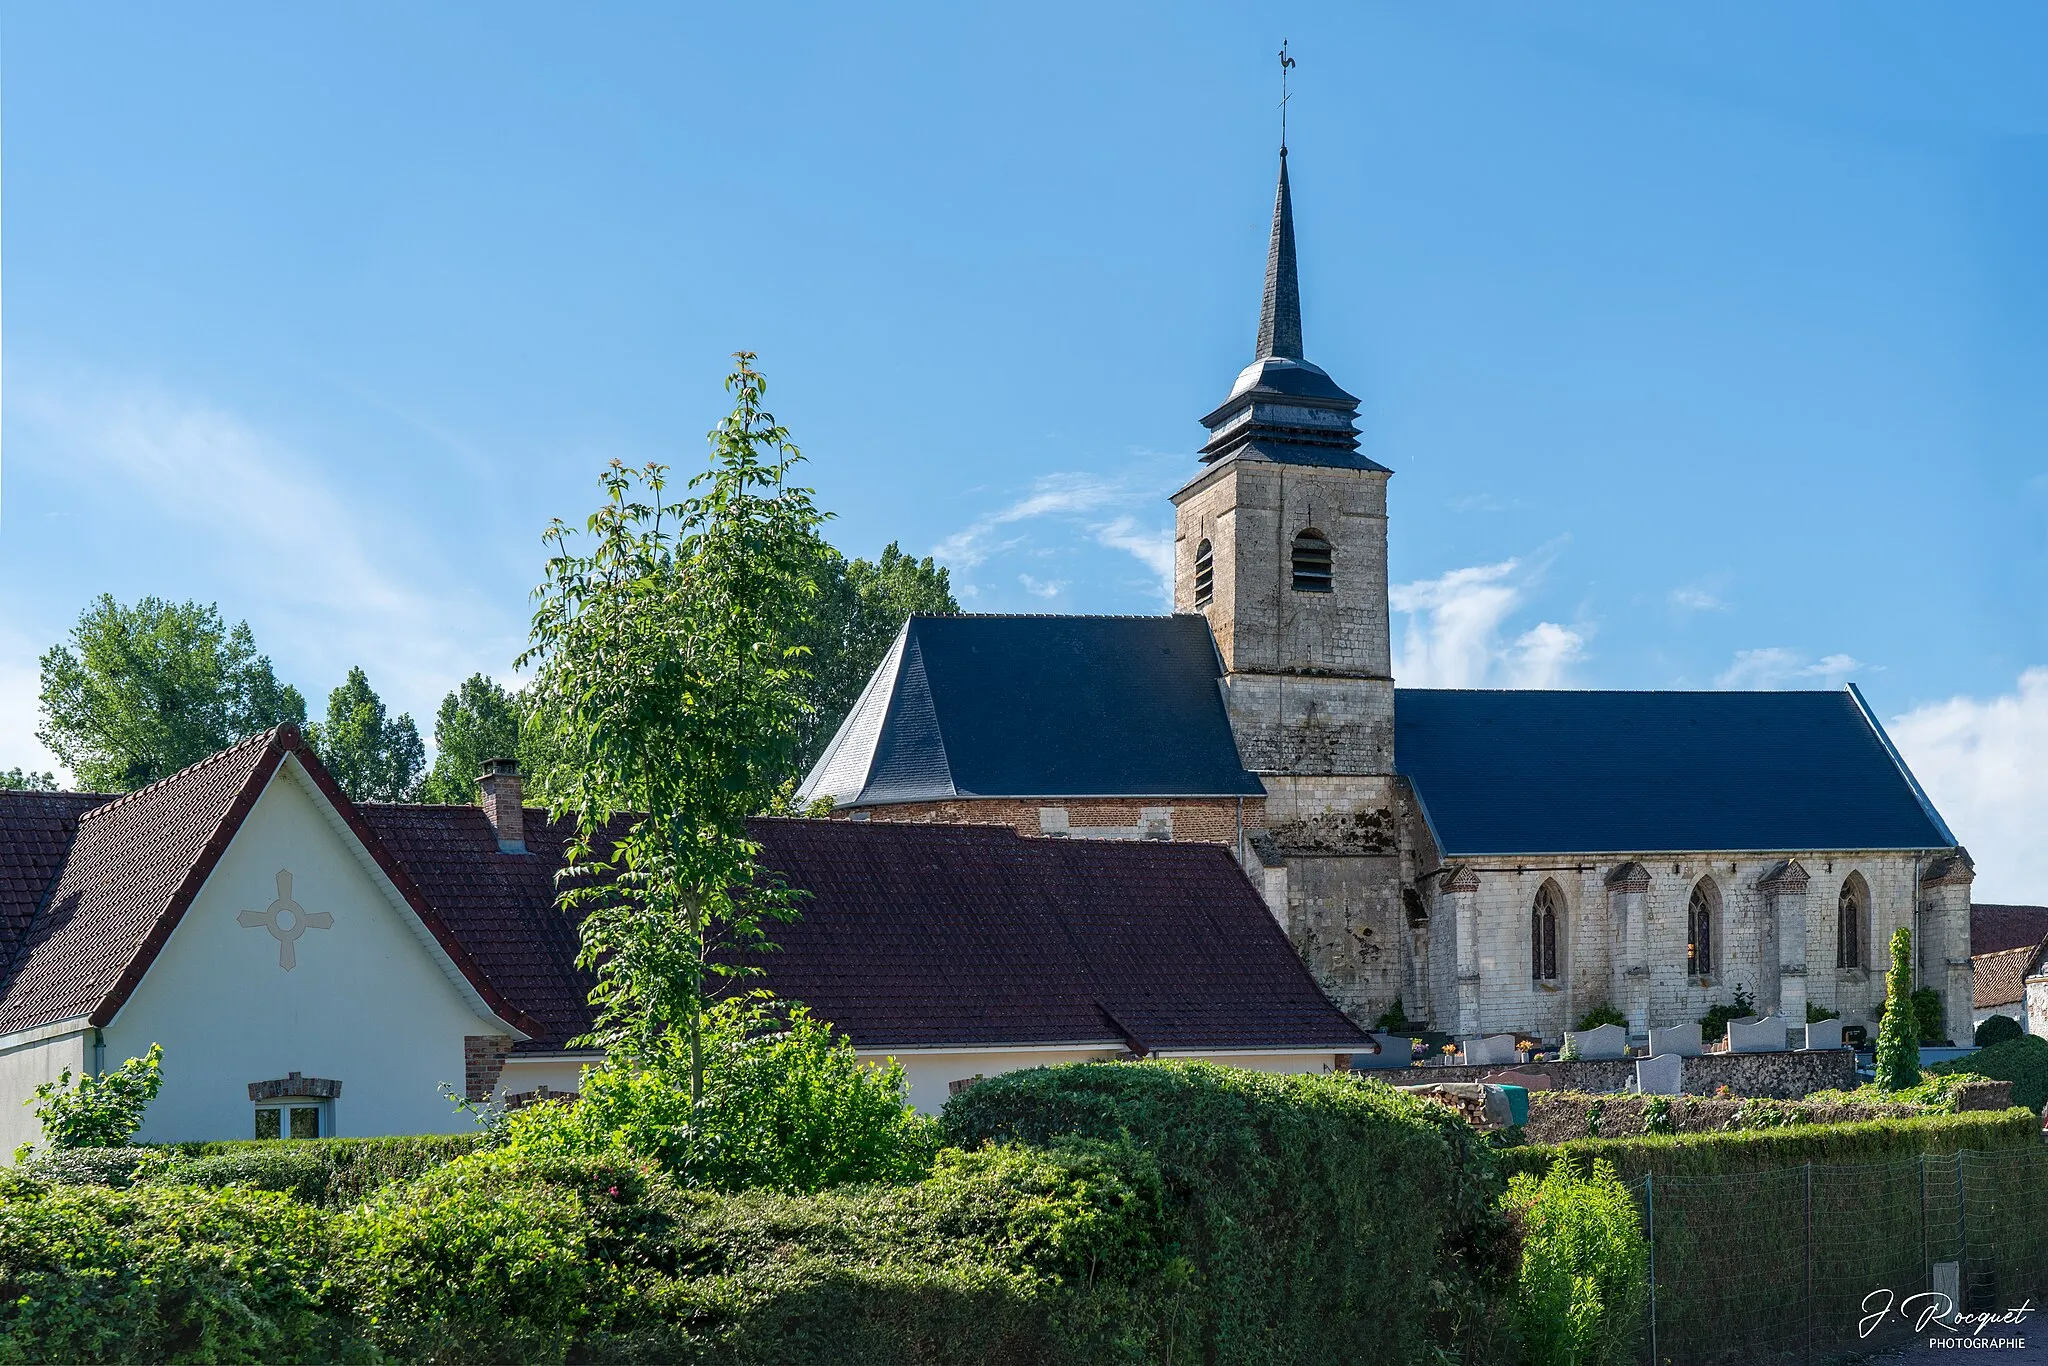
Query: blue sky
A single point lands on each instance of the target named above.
(1707, 344)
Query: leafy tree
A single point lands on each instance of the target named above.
(861, 604)
(1898, 1035)
(670, 681)
(479, 720)
(98, 1111)
(141, 692)
(20, 780)
(374, 758)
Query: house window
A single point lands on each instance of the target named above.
(1311, 562)
(293, 1119)
(1699, 929)
(1543, 918)
(1205, 574)
(1851, 910)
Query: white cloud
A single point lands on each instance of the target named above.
(1777, 667)
(1984, 764)
(1452, 637)
(1038, 588)
(1053, 494)
(1694, 598)
(1154, 548)
(244, 518)
(20, 712)
(1088, 503)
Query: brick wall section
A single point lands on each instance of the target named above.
(483, 1059)
(1208, 821)
(1779, 1076)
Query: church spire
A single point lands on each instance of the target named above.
(1280, 316)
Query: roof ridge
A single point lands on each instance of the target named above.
(261, 738)
(1639, 692)
(1052, 616)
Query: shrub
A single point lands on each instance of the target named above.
(1898, 1045)
(1315, 1213)
(1584, 1280)
(2022, 1061)
(786, 1105)
(1930, 1015)
(155, 1275)
(1998, 1029)
(1714, 1024)
(1601, 1015)
(322, 1171)
(1815, 1014)
(99, 1110)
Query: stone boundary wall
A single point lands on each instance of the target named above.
(1778, 1076)
(1560, 1116)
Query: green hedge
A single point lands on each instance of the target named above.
(324, 1171)
(1313, 1213)
(2023, 1062)
(1754, 1150)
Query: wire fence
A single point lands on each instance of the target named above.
(1817, 1263)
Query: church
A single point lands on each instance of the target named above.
(1481, 861)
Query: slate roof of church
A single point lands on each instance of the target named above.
(926, 935)
(1555, 772)
(1038, 706)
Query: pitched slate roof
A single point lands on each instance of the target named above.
(1537, 772)
(945, 936)
(133, 867)
(1994, 928)
(1051, 706)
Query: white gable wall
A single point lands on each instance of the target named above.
(40, 1056)
(369, 1002)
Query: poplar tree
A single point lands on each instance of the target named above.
(1898, 1034)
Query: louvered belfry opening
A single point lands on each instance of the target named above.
(1205, 574)
(1312, 562)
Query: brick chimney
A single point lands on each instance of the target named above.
(503, 795)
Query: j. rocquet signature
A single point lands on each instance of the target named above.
(1932, 1306)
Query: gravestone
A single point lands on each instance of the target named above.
(1396, 1050)
(1494, 1048)
(1678, 1041)
(1824, 1034)
(1608, 1041)
(1757, 1036)
(1661, 1074)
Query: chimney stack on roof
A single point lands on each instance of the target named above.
(503, 800)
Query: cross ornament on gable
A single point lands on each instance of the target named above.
(286, 920)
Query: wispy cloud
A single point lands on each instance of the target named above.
(19, 709)
(1038, 588)
(1777, 667)
(1455, 635)
(1102, 509)
(327, 578)
(1984, 763)
(1695, 597)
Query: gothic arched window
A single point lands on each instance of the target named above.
(1311, 562)
(1205, 574)
(1699, 928)
(1852, 911)
(1543, 918)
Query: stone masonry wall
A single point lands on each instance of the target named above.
(1212, 821)
(1779, 1076)
(1591, 970)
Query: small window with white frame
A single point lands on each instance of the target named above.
(294, 1106)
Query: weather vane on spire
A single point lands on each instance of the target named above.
(1286, 65)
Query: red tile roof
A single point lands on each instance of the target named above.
(1994, 928)
(912, 935)
(1999, 979)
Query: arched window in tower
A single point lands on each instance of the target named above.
(1700, 915)
(1205, 574)
(1311, 562)
(1852, 913)
(1543, 918)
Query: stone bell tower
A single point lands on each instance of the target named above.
(1281, 542)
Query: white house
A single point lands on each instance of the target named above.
(314, 966)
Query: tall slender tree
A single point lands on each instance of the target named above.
(375, 757)
(478, 721)
(139, 692)
(670, 677)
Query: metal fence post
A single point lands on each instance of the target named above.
(1650, 1201)
(1926, 1254)
(1809, 1262)
(1962, 1234)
